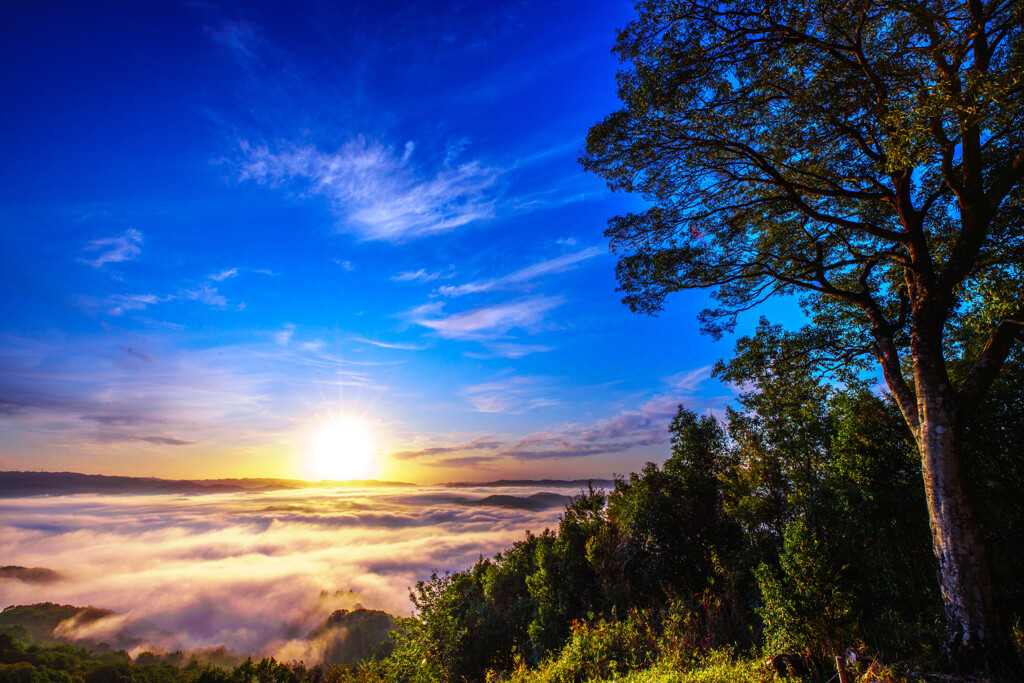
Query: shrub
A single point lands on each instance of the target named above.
(598, 650)
(804, 606)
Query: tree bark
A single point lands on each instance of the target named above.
(977, 638)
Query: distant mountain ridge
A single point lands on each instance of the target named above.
(21, 484)
(582, 483)
(535, 502)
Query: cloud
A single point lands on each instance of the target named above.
(163, 440)
(224, 274)
(420, 275)
(487, 322)
(119, 303)
(509, 350)
(390, 345)
(114, 249)
(690, 381)
(206, 294)
(522, 276)
(66, 399)
(344, 265)
(248, 571)
(644, 425)
(158, 440)
(509, 395)
(282, 337)
(377, 193)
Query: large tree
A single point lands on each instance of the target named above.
(867, 156)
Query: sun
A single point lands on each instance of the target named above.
(342, 449)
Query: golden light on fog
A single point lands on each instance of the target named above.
(343, 449)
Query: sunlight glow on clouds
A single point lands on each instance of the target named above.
(247, 570)
(82, 401)
(377, 193)
(643, 425)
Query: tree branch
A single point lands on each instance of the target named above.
(990, 360)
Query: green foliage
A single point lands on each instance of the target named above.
(67, 664)
(717, 667)
(660, 538)
(36, 623)
(826, 484)
(806, 608)
(600, 650)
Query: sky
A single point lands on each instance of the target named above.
(323, 240)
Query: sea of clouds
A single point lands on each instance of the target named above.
(255, 571)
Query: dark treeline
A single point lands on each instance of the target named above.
(798, 525)
(24, 663)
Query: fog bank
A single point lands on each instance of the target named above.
(254, 572)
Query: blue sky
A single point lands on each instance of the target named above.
(227, 226)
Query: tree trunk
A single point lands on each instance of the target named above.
(977, 638)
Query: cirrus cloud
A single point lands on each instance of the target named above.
(376, 192)
(114, 249)
(486, 322)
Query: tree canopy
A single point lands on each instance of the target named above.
(866, 156)
(870, 152)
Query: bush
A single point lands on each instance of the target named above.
(805, 608)
(599, 650)
(717, 667)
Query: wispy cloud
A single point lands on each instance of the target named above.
(156, 440)
(224, 274)
(57, 395)
(390, 345)
(487, 322)
(509, 350)
(522, 276)
(205, 294)
(689, 381)
(62, 399)
(119, 303)
(377, 192)
(114, 249)
(639, 426)
(284, 336)
(516, 394)
(420, 275)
